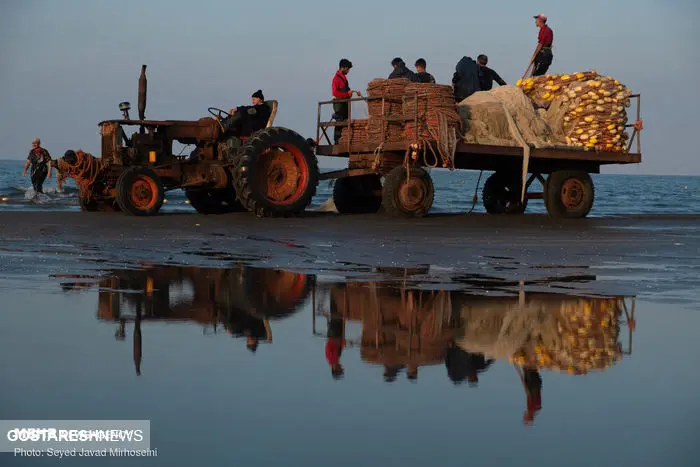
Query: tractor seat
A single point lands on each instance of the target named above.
(273, 111)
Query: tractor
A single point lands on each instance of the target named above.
(272, 172)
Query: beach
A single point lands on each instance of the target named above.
(108, 316)
(652, 253)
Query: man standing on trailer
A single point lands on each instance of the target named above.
(422, 75)
(400, 70)
(341, 90)
(542, 58)
(486, 75)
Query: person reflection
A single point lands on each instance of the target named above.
(412, 373)
(462, 365)
(532, 382)
(391, 372)
(120, 333)
(335, 343)
(241, 324)
(138, 341)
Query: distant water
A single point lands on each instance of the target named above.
(615, 194)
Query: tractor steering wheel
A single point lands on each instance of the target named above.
(218, 113)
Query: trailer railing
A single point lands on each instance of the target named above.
(322, 127)
(637, 125)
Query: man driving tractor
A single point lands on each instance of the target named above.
(247, 119)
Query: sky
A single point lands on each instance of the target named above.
(65, 65)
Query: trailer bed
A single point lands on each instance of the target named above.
(476, 156)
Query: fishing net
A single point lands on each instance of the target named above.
(504, 117)
(575, 336)
(586, 110)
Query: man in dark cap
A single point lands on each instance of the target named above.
(247, 119)
(401, 71)
(422, 75)
(341, 90)
(542, 58)
(465, 80)
(486, 75)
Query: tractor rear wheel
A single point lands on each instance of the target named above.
(221, 201)
(408, 193)
(358, 195)
(275, 173)
(140, 191)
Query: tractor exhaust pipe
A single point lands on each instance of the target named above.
(142, 93)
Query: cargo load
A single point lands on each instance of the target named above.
(586, 110)
(574, 336)
(504, 116)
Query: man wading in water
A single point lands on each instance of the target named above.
(39, 158)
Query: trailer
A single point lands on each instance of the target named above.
(407, 188)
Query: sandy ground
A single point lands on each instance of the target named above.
(653, 256)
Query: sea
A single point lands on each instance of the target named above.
(454, 191)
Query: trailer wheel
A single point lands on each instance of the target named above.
(221, 201)
(358, 195)
(569, 194)
(501, 194)
(275, 173)
(410, 196)
(140, 191)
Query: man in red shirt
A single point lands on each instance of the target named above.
(335, 344)
(542, 58)
(341, 90)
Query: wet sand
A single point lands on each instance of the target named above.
(86, 336)
(657, 256)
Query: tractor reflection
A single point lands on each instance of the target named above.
(241, 300)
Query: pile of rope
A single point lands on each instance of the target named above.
(388, 102)
(437, 119)
(356, 133)
(84, 169)
(392, 90)
(586, 109)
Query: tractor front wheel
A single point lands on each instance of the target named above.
(89, 202)
(140, 192)
(275, 173)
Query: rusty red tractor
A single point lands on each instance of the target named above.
(272, 172)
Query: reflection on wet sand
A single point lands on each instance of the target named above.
(403, 328)
(242, 300)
